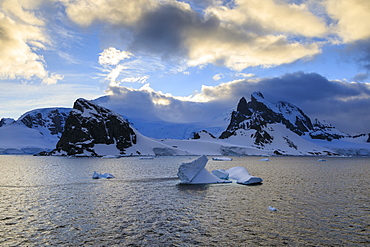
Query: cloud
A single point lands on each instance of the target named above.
(271, 16)
(112, 56)
(245, 75)
(141, 80)
(217, 77)
(351, 17)
(236, 36)
(41, 96)
(116, 12)
(360, 77)
(21, 36)
(147, 104)
(337, 102)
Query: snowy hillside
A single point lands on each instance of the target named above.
(255, 127)
(35, 131)
(17, 138)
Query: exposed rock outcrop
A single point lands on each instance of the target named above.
(88, 125)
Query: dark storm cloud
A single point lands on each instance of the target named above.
(345, 105)
(163, 30)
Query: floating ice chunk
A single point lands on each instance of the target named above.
(242, 176)
(195, 173)
(147, 158)
(99, 175)
(221, 173)
(265, 159)
(272, 208)
(95, 175)
(222, 159)
(109, 156)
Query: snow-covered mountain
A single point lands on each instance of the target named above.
(49, 121)
(255, 127)
(258, 113)
(35, 131)
(92, 130)
(285, 128)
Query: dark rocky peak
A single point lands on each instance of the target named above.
(259, 112)
(47, 119)
(89, 124)
(6, 121)
(326, 131)
(243, 108)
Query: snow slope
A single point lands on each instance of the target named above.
(18, 139)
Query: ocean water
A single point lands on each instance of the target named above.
(53, 201)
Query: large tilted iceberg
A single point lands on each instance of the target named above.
(195, 173)
(238, 173)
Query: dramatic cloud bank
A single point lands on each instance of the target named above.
(21, 36)
(234, 34)
(237, 37)
(336, 102)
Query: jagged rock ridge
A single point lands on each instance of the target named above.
(88, 125)
(49, 121)
(258, 113)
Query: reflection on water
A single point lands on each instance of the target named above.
(54, 201)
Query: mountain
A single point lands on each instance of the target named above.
(6, 121)
(258, 113)
(35, 131)
(255, 127)
(92, 130)
(48, 121)
(285, 128)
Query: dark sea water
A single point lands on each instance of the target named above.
(53, 201)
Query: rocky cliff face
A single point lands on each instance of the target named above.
(6, 121)
(88, 125)
(258, 113)
(49, 121)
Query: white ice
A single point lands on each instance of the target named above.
(272, 208)
(99, 175)
(241, 175)
(221, 173)
(222, 158)
(195, 173)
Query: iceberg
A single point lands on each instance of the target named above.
(222, 159)
(221, 173)
(195, 173)
(238, 173)
(242, 176)
(99, 175)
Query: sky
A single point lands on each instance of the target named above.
(185, 61)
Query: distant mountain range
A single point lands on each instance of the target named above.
(255, 127)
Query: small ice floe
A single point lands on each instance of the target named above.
(265, 159)
(147, 158)
(99, 175)
(272, 208)
(109, 156)
(321, 160)
(222, 159)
